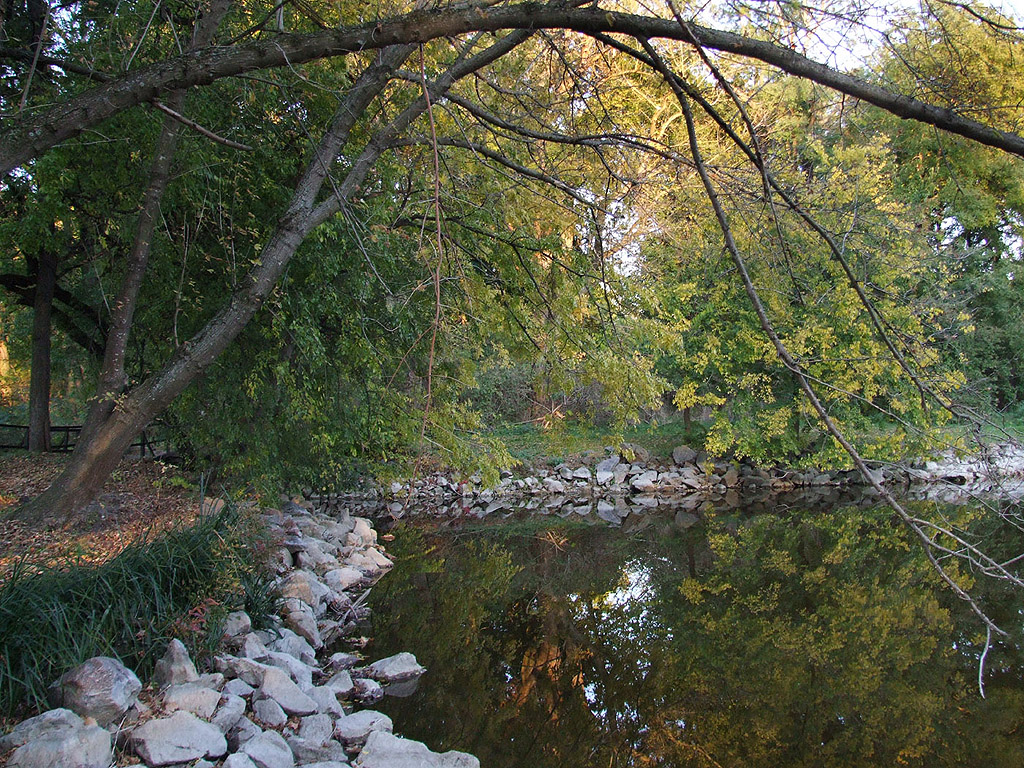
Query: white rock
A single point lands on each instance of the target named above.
(102, 688)
(341, 579)
(175, 666)
(341, 683)
(353, 730)
(306, 752)
(362, 528)
(383, 750)
(83, 746)
(282, 689)
(269, 712)
(39, 726)
(291, 643)
(177, 739)
(269, 750)
(247, 670)
(401, 666)
(581, 473)
(228, 713)
(237, 687)
(193, 698)
(237, 623)
(326, 701)
(252, 647)
(301, 673)
(238, 760)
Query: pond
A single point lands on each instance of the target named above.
(787, 636)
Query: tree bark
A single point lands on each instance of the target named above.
(39, 383)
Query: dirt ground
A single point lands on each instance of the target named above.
(141, 499)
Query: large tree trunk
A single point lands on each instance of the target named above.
(39, 384)
(95, 457)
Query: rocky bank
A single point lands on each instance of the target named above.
(277, 698)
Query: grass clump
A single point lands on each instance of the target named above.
(181, 584)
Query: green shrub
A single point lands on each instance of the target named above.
(181, 584)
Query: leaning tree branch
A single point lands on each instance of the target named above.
(28, 136)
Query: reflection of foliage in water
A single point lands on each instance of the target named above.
(787, 639)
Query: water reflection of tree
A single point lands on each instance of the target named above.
(778, 640)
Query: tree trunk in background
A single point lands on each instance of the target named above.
(39, 385)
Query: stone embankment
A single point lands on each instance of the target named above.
(613, 486)
(277, 698)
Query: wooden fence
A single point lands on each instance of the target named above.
(63, 439)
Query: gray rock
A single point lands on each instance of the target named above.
(249, 671)
(228, 713)
(241, 732)
(327, 764)
(282, 689)
(238, 760)
(326, 701)
(353, 730)
(303, 623)
(237, 687)
(193, 698)
(252, 647)
(39, 726)
(340, 579)
(383, 750)
(581, 473)
(79, 746)
(683, 454)
(237, 623)
(175, 667)
(603, 476)
(212, 680)
(292, 644)
(620, 473)
(306, 752)
(607, 465)
(269, 712)
(301, 673)
(553, 486)
(177, 739)
(368, 691)
(316, 729)
(269, 750)
(102, 688)
(341, 683)
(401, 666)
(646, 482)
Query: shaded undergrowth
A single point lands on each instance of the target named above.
(180, 584)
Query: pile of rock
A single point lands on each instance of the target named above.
(615, 485)
(271, 703)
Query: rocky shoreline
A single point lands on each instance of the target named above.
(612, 486)
(278, 698)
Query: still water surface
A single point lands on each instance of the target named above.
(786, 635)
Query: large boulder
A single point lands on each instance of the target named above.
(269, 750)
(101, 688)
(61, 743)
(353, 730)
(39, 726)
(383, 750)
(180, 738)
(683, 455)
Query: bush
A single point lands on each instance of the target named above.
(181, 584)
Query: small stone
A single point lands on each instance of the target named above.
(353, 730)
(306, 752)
(269, 750)
(193, 698)
(342, 660)
(175, 667)
(237, 623)
(237, 687)
(252, 647)
(368, 691)
(177, 739)
(102, 688)
(269, 712)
